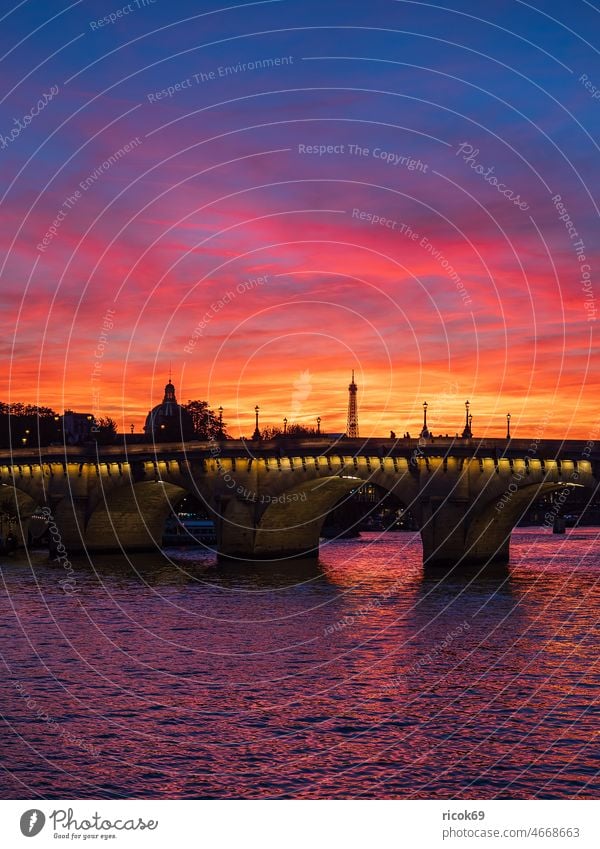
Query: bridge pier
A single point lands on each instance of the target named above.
(282, 524)
(235, 525)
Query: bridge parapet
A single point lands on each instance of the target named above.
(287, 447)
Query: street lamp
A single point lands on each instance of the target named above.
(508, 425)
(132, 426)
(256, 434)
(285, 426)
(425, 431)
(221, 422)
(467, 428)
(318, 424)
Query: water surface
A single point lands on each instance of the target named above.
(363, 676)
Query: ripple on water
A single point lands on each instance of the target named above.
(361, 677)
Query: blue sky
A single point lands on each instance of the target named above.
(216, 190)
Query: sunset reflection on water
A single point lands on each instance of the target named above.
(364, 676)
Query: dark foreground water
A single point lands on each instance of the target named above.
(364, 677)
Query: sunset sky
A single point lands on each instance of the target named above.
(327, 186)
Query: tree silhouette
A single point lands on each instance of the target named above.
(293, 431)
(105, 431)
(30, 422)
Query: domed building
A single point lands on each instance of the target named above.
(169, 421)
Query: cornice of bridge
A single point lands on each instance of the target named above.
(128, 451)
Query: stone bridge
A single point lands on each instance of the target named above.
(269, 499)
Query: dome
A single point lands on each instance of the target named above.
(169, 420)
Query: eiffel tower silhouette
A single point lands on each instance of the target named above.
(352, 426)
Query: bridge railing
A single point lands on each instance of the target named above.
(284, 446)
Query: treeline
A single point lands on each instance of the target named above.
(26, 425)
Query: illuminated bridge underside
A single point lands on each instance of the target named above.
(269, 500)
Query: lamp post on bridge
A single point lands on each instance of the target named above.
(468, 419)
(256, 434)
(285, 425)
(318, 425)
(508, 436)
(424, 431)
(220, 422)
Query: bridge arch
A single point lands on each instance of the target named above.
(291, 523)
(479, 533)
(453, 530)
(489, 533)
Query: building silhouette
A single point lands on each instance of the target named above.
(77, 427)
(169, 420)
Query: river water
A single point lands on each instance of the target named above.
(363, 676)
